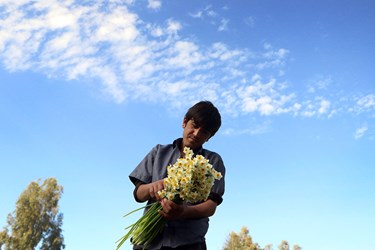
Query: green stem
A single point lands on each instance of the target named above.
(145, 229)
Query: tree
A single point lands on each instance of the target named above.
(36, 220)
(241, 241)
(268, 247)
(284, 245)
(297, 247)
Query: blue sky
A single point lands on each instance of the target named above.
(87, 88)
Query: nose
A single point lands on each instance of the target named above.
(198, 132)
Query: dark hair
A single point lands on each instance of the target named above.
(205, 115)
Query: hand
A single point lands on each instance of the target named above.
(154, 187)
(171, 210)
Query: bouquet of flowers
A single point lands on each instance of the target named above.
(190, 179)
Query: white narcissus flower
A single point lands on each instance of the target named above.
(190, 178)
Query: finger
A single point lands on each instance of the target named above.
(152, 192)
(164, 214)
(166, 204)
(157, 197)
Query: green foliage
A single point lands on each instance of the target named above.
(268, 247)
(284, 245)
(36, 219)
(241, 241)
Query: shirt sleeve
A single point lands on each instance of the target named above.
(138, 183)
(143, 172)
(218, 189)
(216, 198)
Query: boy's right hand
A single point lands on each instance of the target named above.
(154, 187)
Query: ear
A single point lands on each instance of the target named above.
(184, 122)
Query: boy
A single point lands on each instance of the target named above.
(187, 224)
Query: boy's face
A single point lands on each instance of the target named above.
(193, 135)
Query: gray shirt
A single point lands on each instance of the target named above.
(153, 168)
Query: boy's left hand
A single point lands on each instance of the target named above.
(171, 210)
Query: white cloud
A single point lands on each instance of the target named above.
(204, 12)
(260, 128)
(264, 97)
(366, 103)
(360, 132)
(324, 106)
(318, 84)
(112, 86)
(128, 2)
(184, 54)
(175, 88)
(211, 13)
(317, 107)
(119, 26)
(220, 51)
(173, 26)
(250, 21)
(156, 31)
(150, 61)
(154, 4)
(223, 25)
(271, 58)
(198, 14)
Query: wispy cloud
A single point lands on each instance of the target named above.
(250, 21)
(360, 132)
(207, 11)
(213, 17)
(320, 83)
(364, 104)
(258, 129)
(223, 25)
(150, 61)
(154, 4)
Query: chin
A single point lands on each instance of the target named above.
(188, 145)
(192, 145)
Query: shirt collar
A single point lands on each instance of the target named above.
(177, 143)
